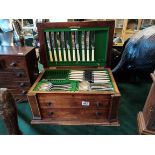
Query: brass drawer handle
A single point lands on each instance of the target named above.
(50, 113)
(98, 113)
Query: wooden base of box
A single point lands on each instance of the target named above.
(142, 127)
(74, 122)
(66, 108)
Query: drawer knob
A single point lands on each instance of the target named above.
(49, 103)
(50, 113)
(98, 104)
(98, 113)
(24, 92)
(22, 84)
(13, 64)
(19, 74)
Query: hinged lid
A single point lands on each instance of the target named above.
(86, 44)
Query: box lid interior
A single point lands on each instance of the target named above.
(77, 46)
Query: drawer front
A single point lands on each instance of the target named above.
(16, 74)
(19, 97)
(73, 101)
(14, 84)
(74, 114)
(12, 62)
(18, 91)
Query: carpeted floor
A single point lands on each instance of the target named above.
(132, 101)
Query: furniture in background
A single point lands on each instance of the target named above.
(18, 70)
(130, 27)
(8, 112)
(147, 22)
(146, 118)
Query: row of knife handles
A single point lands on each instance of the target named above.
(71, 46)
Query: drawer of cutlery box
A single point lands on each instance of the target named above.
(74, 114)
(74, 101)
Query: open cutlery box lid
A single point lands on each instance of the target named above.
(73, 46)
(66, 44)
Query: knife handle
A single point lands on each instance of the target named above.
(78, 55)
(92, 54)
(55, 55)
(74, 59)
(69, 55)
(87, 54)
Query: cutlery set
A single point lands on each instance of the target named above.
(86, 80)
(71, 46)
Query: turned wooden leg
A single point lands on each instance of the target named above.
(8, 112)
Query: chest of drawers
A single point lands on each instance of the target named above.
(18, 70)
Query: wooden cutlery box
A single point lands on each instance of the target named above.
(18, 70)
(76, 86)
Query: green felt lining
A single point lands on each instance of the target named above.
(62, 77)
(100, 44)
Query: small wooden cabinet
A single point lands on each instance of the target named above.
(18, 70)
(146, 118)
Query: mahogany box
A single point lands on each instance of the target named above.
(76, 86)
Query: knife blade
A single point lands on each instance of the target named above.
(83, 42)
(87, 42)
(48, 41)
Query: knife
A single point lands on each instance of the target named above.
(58, 43)
(48, 37)
(68, 47)
(83, 42)
(77, 45)
(54, 46)
(93, 45)
(63, 45)
(73, 45)
(87, 41)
